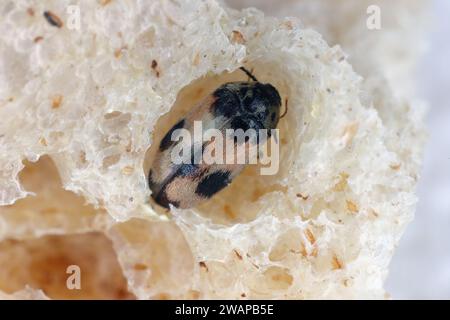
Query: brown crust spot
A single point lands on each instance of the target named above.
(38, 38)
(104, 2)
(53, 19)
(56, 101)
(127, 170)
(303, 251)
(310, 236)
(42, 141)
(140, 267)
(30, 12)
(118, 52)
(196, 60)
(288, 25)
(350, 132)
(154, 66)
(336, 263)
(351, 206)
(237, 37)
(299, 195)
(342, 184)
(395, 166)
(202, 264)
(373, 213)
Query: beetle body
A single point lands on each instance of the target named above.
(234, 105)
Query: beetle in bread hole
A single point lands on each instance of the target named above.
(241, 105)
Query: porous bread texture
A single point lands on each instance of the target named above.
(94, 101)
(391, 51)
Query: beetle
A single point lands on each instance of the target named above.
(234, 105)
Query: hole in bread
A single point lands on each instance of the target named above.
(42, 263)
(157, 258)
(51, 209)
(273, 280)
(39, 259)
(240, 202)
(278, 278)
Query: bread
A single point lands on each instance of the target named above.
(83, 111)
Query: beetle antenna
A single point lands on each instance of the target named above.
(249, 74)
(285, 108)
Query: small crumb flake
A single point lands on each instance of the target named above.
(127, 170)
(237, 37)
(154, 66)
(336, 263)
(38, 39)
(42, 141)
(196, 60)
(310, 236)
(342, 184)
(396, 166)
(202, 264)
(56, 101)
(53, 19)
(300, 195)
(237, 254)
(104, 2)
(140, 267)
(30, 12)
(352, 207)
(303, 251)
(118, 52)
(373, 213)
(288, 25)
(350, 132)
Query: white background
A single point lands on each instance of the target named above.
(421, 265)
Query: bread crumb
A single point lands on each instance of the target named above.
(336, 263)
(140, 267)
(203, 265)
(56, 101)
(53, 19)
(127, 170)
(196, 60)
(352, 207)
(350, 132)
(342, 184)
(310, 236)
(43, 142)
(299, 195)
(237, 37)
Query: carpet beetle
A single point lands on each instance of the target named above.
(233, 105)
